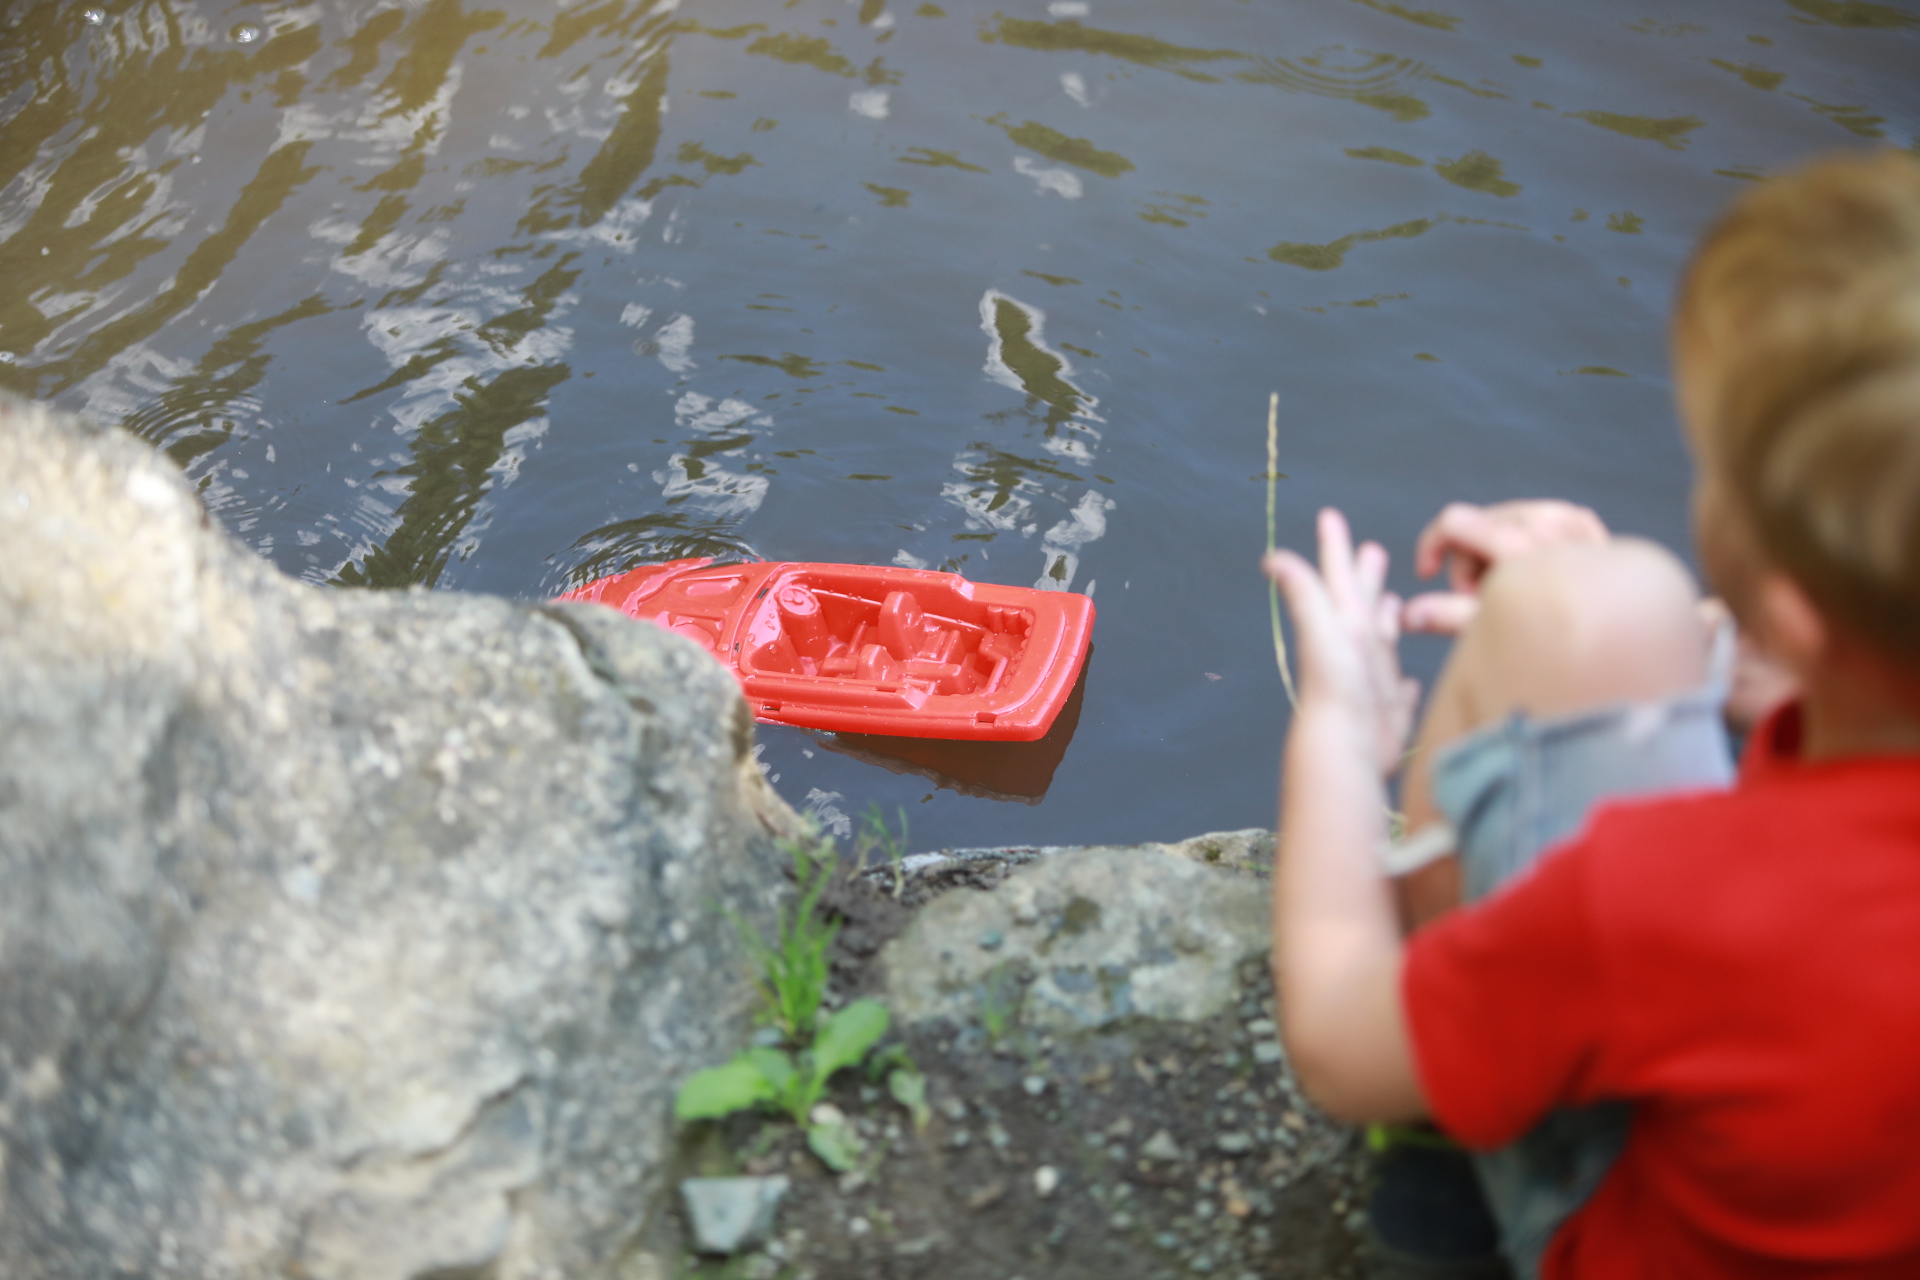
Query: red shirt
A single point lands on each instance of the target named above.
(1743, 966)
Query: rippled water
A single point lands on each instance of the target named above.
(503, 298)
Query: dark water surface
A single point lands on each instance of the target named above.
(506, 296)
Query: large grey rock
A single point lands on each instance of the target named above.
(1087, 938)
(342, 934)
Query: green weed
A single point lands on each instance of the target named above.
(792, 970)
(791, 975)
(875, 834)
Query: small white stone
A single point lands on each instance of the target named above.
(1161, 1146)
(1046, 1180)
(731, 1214)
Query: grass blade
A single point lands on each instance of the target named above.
(1273, 589)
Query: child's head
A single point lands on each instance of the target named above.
(1797, 339)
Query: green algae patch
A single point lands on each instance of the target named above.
(1387, 154)
(810, 51)
(1420, 17)
(792, 365)
(1313, 257)
(1072, 37)
(1602, 371)
(1528, 60)
(1629, 222)
(1854, 120)
(1669, 132)
(890, 197)
(938, 160)
(1476, 171)
(1040, 371)
(1078, 152)
(1475, 90)
(1757, 76)
(1325, 257)
(1174, 210)
(1855, 13)
(1052, 280)
(694, 153)
(1403, 107)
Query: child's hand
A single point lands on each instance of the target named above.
(1468, 540)
(1349, 632)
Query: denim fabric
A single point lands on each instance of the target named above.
(1510, 791)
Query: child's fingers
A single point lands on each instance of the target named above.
(1308, 603)
(1444, 613)
(1336, 559)
(1300, 586)
(1386, 618)
(1460, 528)
(1370, 571)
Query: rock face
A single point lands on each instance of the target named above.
(1083, 940)
(342, 934)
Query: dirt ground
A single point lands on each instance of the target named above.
(1156, 1152)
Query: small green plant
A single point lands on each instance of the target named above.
(875, 834)
(792, 970)
(791, 1081)
(1000, 998)
(904, 1081)
(792, 979)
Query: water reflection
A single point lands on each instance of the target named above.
(489, 294)
(1011, 771)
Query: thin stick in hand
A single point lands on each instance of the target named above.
(1273, 589)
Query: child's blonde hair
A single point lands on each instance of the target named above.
(1801, 312)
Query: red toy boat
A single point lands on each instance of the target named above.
(870, 649)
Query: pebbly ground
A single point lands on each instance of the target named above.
(1141, 1149)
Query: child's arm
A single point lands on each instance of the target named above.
(1336, 936)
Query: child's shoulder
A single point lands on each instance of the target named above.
(1791, 847)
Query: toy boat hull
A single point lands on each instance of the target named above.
(871, 649)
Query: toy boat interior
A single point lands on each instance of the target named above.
(818, 624)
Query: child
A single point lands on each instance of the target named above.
(1689, 1037)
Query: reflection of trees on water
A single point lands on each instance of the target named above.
(114, 121)
(117, 119)
(105, 206)
(456, 454)
(1001, 486)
